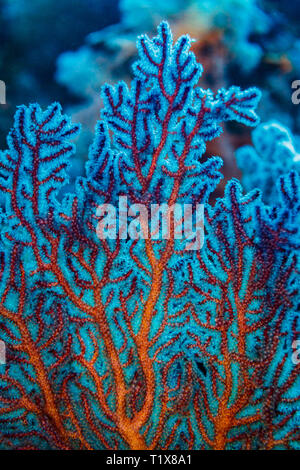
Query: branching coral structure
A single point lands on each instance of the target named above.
(273, 153)
(138, 342)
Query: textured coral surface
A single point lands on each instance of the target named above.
(138, 343)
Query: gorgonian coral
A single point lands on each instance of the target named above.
(273, 154)
(140, 343)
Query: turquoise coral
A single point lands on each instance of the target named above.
(273, 154)
(140, 344)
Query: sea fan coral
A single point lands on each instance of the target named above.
(273, 154)
(136, 342)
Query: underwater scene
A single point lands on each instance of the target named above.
(149, 227)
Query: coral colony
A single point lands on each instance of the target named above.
(131, 342)
(273, 154)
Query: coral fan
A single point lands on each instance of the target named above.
(140, 343)
(273, 154)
